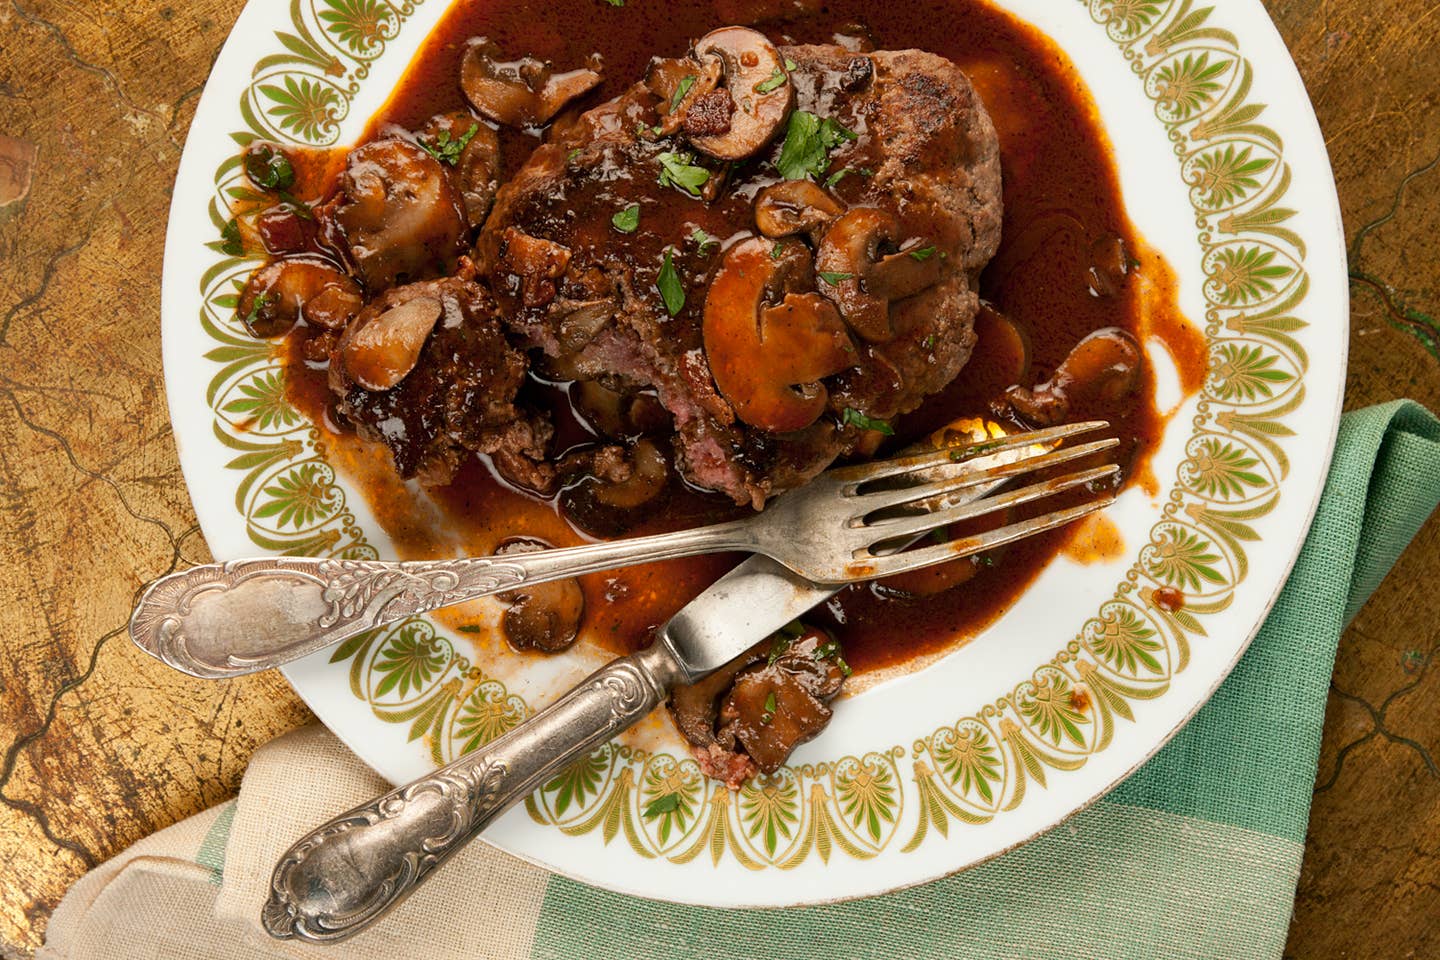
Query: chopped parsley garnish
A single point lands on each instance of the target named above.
(297, 206)
(259, 303)
(683, 88)
(574, 152)
(791, 64)
(844, 172)
(448, 151)
(984, 559)
(672, 291)
(269, 169)
(924, 253)
(627, 220)
(808, 142)
(616, 3)
(468, 628)
(776, 250)
(930, 342)
(834, 278)
(830, 650)
(854, 417)
(778, 646)
(782, 640)
(670, 802)
(230, 240)
(704, 241)
(678, 170)
(770, 704)
(775, 81)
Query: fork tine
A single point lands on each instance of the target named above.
(905, 527)
(870, 502)
(879, 470)
(871, 567)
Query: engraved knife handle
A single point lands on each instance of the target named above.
(345, 875)
(236, 617)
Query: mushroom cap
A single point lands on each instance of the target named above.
(1102, 368)
(847, 250)
(519, 93)
(381, 348)
(285, 290)
(768, 360)
(795, 206)
(749, 60)
(541, 616)
(862, 281)
(398, 211)
(476, 171)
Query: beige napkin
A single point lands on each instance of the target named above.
(195, 889)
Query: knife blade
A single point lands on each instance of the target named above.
(736, 612)
(753, 601)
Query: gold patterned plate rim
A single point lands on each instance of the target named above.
(1223, 170)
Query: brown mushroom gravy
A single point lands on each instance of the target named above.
(1068, 301)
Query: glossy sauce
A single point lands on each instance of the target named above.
(1062, 212)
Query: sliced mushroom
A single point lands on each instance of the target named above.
(606, 501)
(1110, 266)
(758, 85)
(519, 93)
(536, 263)
(777, 705)
(1101, 370)
(767, 359)
(382, 347)
(694, 708)
(398, 212)
(475, 170)
(284, 291)
(795, 206)
(582, 320)
(542, 616)
(862, 280)
(905, 273)
(649, 474)
(666, 78)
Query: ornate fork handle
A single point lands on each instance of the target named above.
(345, 875)
(226, 619)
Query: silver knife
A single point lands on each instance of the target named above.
(346, 874)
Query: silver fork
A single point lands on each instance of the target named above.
(345, 874)
(236, 617)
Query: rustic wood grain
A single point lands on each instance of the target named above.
(100, 746)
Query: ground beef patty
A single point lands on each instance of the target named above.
(866, 307)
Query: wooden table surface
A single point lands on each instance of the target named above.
(99, 745)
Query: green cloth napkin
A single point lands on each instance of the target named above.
(1196, 855)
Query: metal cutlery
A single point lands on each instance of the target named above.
(236, 617)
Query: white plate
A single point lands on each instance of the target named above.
(919, 776)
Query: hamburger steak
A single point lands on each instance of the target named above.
(781, 244)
